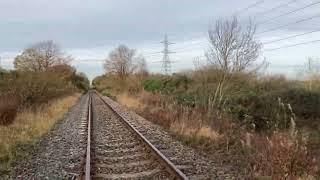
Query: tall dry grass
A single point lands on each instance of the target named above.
(129, 101)
(29, 125)
(275, 155)
(115, 86)
(238, 119)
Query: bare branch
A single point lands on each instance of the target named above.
(122, 61)
(232, 48)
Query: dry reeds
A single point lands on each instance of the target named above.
(29, 125)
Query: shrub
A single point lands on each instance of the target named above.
(167, 84)
(186, 99)
(268, 109)
(19, 90)
(18, 138)
(108, 94)
(305, 103)
(153, 85)
(81, 82)
(116, 85)
(8, 109)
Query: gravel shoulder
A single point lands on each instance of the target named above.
(117, 152)
(59, 154)
(192, 163)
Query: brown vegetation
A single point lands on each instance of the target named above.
(28, 126)
(258, 125)
(264, 127)
(21, 90)
(34, 97)
(39, 77)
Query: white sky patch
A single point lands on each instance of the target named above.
(89, 30)
(293, 55)
(7, 59)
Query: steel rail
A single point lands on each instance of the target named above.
(88, 152)
(168, 164)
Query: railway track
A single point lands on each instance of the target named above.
(116, 150)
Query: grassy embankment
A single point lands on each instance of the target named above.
(30, 104)
(28, 127)
(263, 126)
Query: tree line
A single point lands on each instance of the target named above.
(42, 73)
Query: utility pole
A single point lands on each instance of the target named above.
(166, 63)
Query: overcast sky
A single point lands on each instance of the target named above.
(88, 29)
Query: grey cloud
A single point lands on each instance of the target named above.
(89, 24)
(86, 23)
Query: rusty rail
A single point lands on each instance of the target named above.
(88, 152)
(166, 162)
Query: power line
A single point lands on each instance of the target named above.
(275, 8)
(293, 45)
(202, 45)
(264, 43)
(273, 29)
(249, 7)
(290, 37)
(153, 54)
(270, 30)
(290, 12)
(282, 26)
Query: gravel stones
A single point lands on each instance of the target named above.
(117, 151)
(59, 154)
(188, 160)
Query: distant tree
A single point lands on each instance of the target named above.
(233, 48)
(122, 61)
(311, 71)
(142, 68)
(40, 57)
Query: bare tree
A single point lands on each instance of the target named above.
(311, 72)
(142, 68)
(40, 57)
(122, 61)
(233, 49)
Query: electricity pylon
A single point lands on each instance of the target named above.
(166, 62)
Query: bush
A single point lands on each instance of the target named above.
(20, 90)
(115, 85)
(305, 103)
(167, 84)
(8, 109)
(81, 82)
(268, 109)
(153, 85)
(108, 94)
(186, 99)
